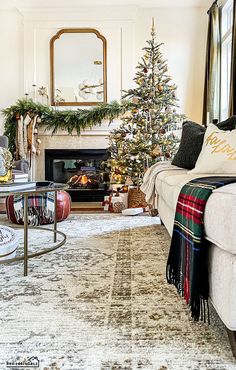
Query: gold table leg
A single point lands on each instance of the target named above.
(55, 216)
(25, 234)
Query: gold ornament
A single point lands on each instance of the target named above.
(160, 87)
(135, 100)
(156, 152)
(140, 81)
(126, 115)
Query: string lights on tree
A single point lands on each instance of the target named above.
(147, 133)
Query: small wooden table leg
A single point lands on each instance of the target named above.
(232, 340)
(25, 234)
(55, 216)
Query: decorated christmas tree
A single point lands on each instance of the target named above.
(147, 132)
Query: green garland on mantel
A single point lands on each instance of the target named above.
(54, 119)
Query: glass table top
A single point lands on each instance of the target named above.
(42, 188)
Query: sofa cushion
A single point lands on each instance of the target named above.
(218, 154)
(190, 145)
(220, 211)
(169, 183)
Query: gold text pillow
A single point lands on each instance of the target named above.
(218, 154)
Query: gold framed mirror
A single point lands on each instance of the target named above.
(78, 67)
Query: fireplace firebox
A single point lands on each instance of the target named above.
(82, 169)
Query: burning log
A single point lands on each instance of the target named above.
(74, 181)
(83, 181)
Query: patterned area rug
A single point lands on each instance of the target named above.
(101, 302)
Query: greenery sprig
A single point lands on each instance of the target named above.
(68, 120)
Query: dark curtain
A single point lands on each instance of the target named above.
(232, 94)
(211, 102)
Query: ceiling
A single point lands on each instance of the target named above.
(76, 3)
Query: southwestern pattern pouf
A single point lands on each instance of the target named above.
(40, 208)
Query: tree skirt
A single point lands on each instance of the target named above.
(101, 302)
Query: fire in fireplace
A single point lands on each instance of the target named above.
(83, 181)
(81, 169)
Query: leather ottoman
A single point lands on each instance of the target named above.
(36, 213)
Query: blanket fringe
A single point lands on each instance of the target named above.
(36, 216)
(199, 306)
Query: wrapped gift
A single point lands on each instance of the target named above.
(124, 197)
(119, 203)
(107, 203)
(116, 203)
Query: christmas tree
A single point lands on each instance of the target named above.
(146, 134)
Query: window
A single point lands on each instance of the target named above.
(226, 43)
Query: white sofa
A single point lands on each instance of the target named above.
(220, 230)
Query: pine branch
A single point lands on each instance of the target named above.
(68, 120)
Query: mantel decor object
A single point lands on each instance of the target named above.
(6, 162)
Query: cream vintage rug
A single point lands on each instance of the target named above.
(101, 302)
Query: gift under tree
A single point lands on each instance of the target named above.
(146, 134)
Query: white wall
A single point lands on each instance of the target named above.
(183, 30)
(11, 58)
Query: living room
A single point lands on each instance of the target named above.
(117, 184)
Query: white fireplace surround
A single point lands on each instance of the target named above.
(95, 138)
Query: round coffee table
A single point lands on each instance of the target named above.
(53, 187)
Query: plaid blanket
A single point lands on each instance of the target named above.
(40, 208)
(188, 257)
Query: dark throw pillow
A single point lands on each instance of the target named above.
(228, 124)
(192, 140)
(190, 145)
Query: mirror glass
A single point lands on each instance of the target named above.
(78, 64)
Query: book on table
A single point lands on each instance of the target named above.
(20, 179)
(16, 186)
(19, 176)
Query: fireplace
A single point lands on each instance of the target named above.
(82, 169)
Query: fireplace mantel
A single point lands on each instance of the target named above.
(97, 130)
